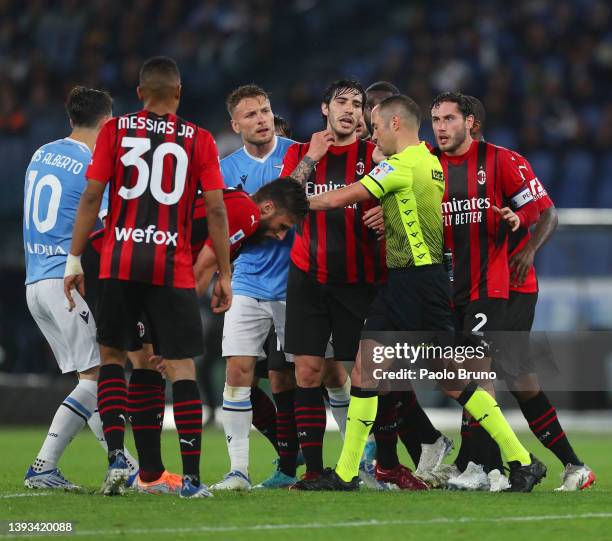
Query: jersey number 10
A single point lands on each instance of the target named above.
(53, 183)
(153, 177)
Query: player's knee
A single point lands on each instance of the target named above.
(110, 355)
(335, 375)
(238, 374)
(90, 373)
(179, 369)
(308, 375)
(281, 381)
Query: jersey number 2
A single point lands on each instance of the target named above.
(153, 178)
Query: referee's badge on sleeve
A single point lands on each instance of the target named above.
(381, 171)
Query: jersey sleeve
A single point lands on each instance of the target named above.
(386, 178)
(290, 160)
(515, 188)
(242, 221)
(101, 166)
(209, 171)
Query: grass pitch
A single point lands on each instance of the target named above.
(282, 515)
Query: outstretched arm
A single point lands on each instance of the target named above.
(343, 197)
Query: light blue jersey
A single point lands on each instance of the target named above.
(54, 182)
(261, 270)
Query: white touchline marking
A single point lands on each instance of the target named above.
(320, 525)
(24, 495)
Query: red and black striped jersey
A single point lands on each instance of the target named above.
(335, 246)
(154, 165)
(484, 177)
(519, 238)
(242, 217)
(242, 221)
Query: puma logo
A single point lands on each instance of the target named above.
(188, 442)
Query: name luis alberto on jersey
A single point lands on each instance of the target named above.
(167, 127)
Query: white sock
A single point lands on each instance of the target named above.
(69, 419)
(95, 424)
(339, 399)
(237, 420)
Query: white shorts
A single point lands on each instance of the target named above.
(247, 324)
(71, 335)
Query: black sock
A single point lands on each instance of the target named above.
(466, 437)
(414, 426)
(146, 408)
(483, 449)
(264, 415)
(188, 417)
(542, 418)
(385, 432)
(286, 432)
(310, 418)
(112, 405)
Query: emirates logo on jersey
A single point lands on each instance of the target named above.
(360, 168)
(481, 176)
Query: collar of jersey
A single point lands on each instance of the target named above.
(336, 150)
(262, 160)
(455, 160)
(85, 147)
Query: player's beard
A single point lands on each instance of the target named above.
(456, 141)
(260, 142)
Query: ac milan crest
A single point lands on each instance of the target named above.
(481, 176)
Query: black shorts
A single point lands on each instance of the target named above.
(90, 262)
(275, 357)
(519, 354)
(173, 314)
(316, 312)
(474, 320)
(413, 299)
(520, 311)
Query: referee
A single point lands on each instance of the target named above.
(410, 186)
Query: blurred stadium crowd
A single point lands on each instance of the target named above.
(542, 68)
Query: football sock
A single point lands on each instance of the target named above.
(310, 418)
(286, 433)
(95, 424)
(264, 415)
(188, 418)
(145, 407)
(484, 450)
(360, 418)
(485, 410)
(68, 421)
(339, 398)
(413, 424)
(543, 422)
(112, 405)
(385, 432)
(462, 456)
(237, 420)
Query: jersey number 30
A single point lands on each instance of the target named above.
(153, 177)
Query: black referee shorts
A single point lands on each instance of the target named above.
(173, 315)
(413, 299)
(316, 312)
